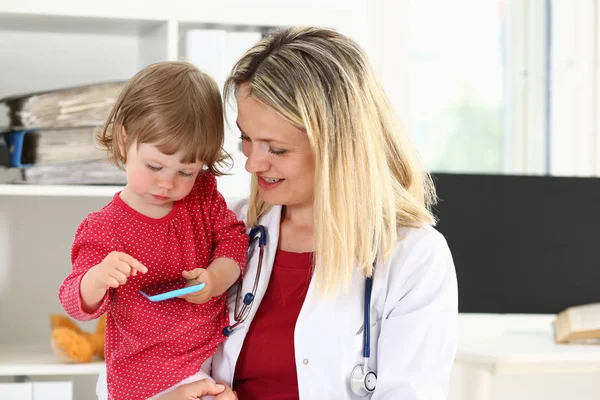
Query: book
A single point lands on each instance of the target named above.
(578, 324)
(10, 175)
(87, 105)
(49, 146)
(90, 172)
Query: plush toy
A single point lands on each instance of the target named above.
(73, 345)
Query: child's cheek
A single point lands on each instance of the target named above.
(187, 187)
(141, 180)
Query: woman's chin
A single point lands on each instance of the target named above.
(268, 198)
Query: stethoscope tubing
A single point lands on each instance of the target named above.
(259, 233)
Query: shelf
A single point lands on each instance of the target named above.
(262, 13)
(73, 24)
(31, 360)
(58, 190)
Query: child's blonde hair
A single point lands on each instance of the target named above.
(172, 105)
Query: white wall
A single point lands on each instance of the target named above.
(72, 59)
(35, 243)
(36, 261)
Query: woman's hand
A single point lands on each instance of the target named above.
(227, 394)
(195, 390)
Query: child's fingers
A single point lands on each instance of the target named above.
(119, 276)
(124, 268)
(193, 274)
(111, 282)
(196, 298)
(133, 263)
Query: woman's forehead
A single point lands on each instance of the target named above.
(261, 122)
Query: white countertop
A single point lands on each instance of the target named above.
(512, 343)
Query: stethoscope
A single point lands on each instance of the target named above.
(259, 232)
(362, 379)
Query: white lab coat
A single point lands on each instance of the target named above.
(414, 311)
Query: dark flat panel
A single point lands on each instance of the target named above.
(521, 244)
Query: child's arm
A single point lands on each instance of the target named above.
(229, 243)
(83, 293)
(218, 277)
(229, 238)
(228, 234)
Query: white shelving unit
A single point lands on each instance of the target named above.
(28, 360)
(58, 190)
(47, 45)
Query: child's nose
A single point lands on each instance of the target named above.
(166, 182)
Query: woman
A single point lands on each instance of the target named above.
(341, 193)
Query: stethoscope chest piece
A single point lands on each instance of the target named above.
(362, 383)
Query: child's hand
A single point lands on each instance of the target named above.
(210, 281)
(113, 271)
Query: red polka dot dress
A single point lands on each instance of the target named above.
(152, 346)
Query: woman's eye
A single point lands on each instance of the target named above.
(277, 152)
(153, 168)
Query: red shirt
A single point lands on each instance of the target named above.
(266, 367)
(152, 346)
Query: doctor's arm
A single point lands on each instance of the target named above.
(418, 338)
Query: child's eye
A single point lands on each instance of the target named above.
(153, 168)
(185, 175)
(245, 138)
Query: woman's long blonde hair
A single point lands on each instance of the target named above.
(368, 179)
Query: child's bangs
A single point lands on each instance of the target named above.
(192, 136)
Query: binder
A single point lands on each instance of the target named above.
(47, 146)
(86, 105)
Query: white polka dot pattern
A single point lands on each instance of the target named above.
(152, 346)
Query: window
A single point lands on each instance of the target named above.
(477, 85)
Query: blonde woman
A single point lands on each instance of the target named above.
(339, 189)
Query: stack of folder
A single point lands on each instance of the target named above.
(63, 108)
(50, 139)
